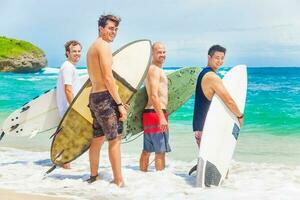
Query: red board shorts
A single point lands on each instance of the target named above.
(154, 139)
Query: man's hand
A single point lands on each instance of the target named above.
(241, 121)
(123, 113)
(198, 136)
(163, 124)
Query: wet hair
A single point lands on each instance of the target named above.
(69, 44)
(102, 21)
(216, 48)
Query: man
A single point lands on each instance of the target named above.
(68, 82)
(107, 109)
(155, 119)
(208, 84)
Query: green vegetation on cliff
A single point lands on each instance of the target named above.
(20, 56)
(12, 48)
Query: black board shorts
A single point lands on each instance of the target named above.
(105, 115)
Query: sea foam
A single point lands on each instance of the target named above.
(24, 171)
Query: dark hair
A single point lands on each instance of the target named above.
(102, 21)
(215, 48)
(71, 43)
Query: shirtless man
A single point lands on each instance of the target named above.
(107, 109)
(155, 119)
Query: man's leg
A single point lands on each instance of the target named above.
(159, 161)
(114, 152)
(94, 154)
(144, 161)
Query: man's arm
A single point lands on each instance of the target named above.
(153, 81)
(67, 73)
(69, 93)
(221, 91)
(105, 59)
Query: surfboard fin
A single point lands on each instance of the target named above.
(55, 133)
(14, 127)
(50, 170)
(24, 109)
(2, 134)
(54, 166)
(193, 169)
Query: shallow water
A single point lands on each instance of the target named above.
(266, 161)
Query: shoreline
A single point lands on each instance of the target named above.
(7, 194)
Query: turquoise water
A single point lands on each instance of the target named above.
(265, 163)
(271, 131)
(272, 107)
(273, 102)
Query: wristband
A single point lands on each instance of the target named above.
(240, 117)
(120, 104)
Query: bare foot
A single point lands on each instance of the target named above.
(120, 184)
(66, 166)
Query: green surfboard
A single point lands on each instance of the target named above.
(181, 86)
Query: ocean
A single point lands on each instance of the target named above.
(266, 162)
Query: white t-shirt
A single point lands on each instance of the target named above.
(67, 76)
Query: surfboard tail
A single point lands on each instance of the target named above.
(54, 165)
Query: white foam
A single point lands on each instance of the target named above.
(222, 73)
(23, 171)
(29, 79)
(50, 70)
(264, 87)
(82, 71)
(54, 70)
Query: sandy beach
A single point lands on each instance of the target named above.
(13, 195)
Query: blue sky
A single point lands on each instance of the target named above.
(256, 32)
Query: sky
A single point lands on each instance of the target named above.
(259, 33)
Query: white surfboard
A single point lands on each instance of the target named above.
(220, 131)
(39, 115)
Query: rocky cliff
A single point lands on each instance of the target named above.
(20, 56)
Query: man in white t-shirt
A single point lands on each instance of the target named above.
(68, 83)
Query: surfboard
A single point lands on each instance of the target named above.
(181, 86)
(40, 115)
(74, 133)
(221, 130)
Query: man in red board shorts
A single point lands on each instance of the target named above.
(155, 119)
